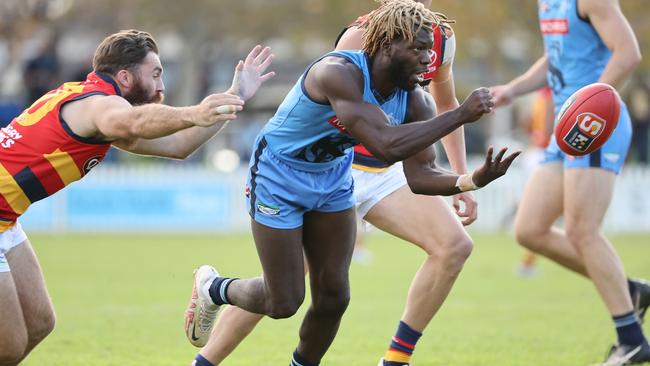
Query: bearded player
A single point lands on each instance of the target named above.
(67, 132)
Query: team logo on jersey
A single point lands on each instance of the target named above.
(91, 163)
(554, 26)
(268, 209)
(336, 123)
(585, 130)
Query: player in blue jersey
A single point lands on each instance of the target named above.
(586, 41)
(384, 199)
(300, 184)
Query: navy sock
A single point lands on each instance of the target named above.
(219, 289)
(201, 361)
(628, 329)
(297, 360)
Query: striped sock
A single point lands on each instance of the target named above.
(402, 345)
(201, 361)
(628, 329)
(218, 290)
(297, 360)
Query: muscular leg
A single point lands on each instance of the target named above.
(281, 291)
(13, 333)
(588, 194)
(428, 222)
(233, 325)
(328, 253)
(27, 306)
(540, 206)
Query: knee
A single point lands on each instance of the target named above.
(580, 235)
(454, 252)
(41, 328)
(527, 235)
(285, 308)
(332, 304)
(13, 348)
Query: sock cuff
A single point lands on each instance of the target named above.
(407, 334)
(219, 290)
(297, 360)
(201, 361)
(625, 319)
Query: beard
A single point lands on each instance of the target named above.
(139, 95)
(398, 75)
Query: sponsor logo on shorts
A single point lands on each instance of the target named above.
(612, 157)
(267, 209)
(585, 130)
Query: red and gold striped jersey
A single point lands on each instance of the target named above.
(40, 154)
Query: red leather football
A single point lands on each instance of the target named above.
(587, 119)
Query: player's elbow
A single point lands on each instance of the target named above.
(632, 59)
(387, 151)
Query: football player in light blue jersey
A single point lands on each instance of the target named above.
(586, 41)
(300, 185)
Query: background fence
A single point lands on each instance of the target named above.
(177, 198)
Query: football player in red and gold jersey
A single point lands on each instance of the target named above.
(384, 198)
(68, 131)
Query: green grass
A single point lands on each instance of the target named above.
(120, 301)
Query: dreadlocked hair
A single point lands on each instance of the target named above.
(398, 19)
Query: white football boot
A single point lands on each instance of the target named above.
(201, 312)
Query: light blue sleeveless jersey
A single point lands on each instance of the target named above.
(308, 136)
(576, 54)
(577, 57)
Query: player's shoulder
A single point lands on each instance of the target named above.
(334, 67)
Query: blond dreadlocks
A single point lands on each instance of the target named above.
(395, 19)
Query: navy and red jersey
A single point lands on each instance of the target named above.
(363, 159)
(40, 154)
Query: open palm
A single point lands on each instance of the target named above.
(249, 74)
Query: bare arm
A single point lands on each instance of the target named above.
(531, 80)
(444, 93)
(249, 76)
(615, 31)
(112, 118)
(340, 83)
(422, 174)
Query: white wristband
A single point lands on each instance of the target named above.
(465, 183)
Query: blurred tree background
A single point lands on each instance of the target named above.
(497, 39)
(201, 40)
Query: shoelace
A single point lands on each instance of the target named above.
(206, 317)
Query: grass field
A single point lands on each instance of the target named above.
(120, 301)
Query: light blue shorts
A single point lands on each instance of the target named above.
(8, 240)
(610, 156)
(278, 195)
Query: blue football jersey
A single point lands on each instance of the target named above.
(576, 54)
(307, 135)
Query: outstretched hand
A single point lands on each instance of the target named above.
(249, 74)
(493, 169)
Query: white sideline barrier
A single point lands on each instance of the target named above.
(186, 198)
